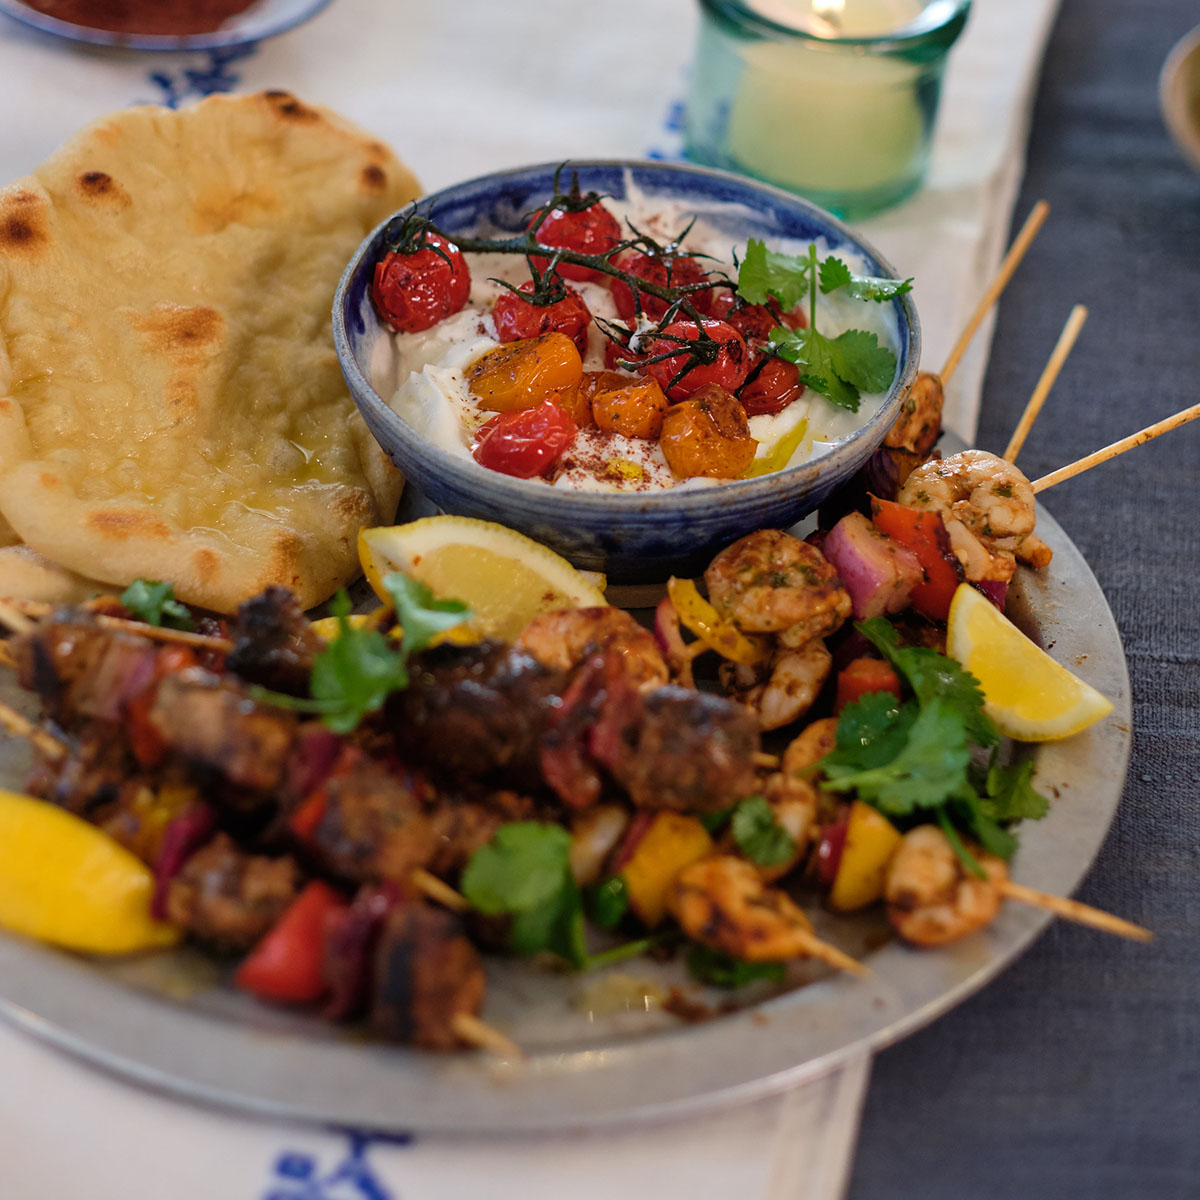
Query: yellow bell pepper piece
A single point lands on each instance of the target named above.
(326, 628)
(712, 629)
(672, 843)
(871, 840)
(64, 881)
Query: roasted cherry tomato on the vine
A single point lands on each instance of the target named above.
(415, 291)
(525, 443)
(708, 435)
(634, 408)
(714, 352)
(669, 270)
(616, 354)
(516, 318)
(753, 321)
(772, 388)
(592, 230)
(577, 399)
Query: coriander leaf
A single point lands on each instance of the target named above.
(1010, 794)
(154, 602)
(355, 673)
(811, 350)
(835, 274)
(872, 731)
(860, 360)
(758, 837)
(991, 836)
(607, 902)
(711, 966)
(556, 925)
(520, 869)
(931, 766)
(420, 614)
(934, 676)
(764, 273)
(968, 860)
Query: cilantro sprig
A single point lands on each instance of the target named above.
(154, 602)
(839, 368)
(723, 970)
(913, 759)
(524, 873)
(757, 834)
(360, 668)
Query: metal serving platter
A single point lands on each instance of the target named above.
(171, 1021)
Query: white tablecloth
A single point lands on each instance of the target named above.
(459, 88)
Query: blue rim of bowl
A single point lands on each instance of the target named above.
(239, 30)
(676, 499)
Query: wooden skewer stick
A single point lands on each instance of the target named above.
(1066, 340)
(769, 761)
(6, 657)
(824, 952)
(1073, 910)
(11, 617)
(1111, 451)
(1016, 252)
(12, 720)
(435, 889)
(480, 1034)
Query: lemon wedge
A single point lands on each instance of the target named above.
(505, 578)
(64, 881)
(1029, 696)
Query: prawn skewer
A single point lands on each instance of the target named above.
(1075, 910)
(1116, 448)
(1066, 340)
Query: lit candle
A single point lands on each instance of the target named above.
(827, 98)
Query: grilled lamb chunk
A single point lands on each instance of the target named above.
(476, 713)
(374, 826)
(273, 642)
(426, 972)
(229, 899)
(680, 749)
(92, 775)
(213, 723)
(79, 668)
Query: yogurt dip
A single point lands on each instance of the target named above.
(427, 371)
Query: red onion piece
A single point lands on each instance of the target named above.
(183, 836)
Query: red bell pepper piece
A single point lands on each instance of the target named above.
(287, 965)
(830, 846)
(145, 741)
(861, 676)
(304, 821)
(924, 533)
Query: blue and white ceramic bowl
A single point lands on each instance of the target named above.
(631, 537)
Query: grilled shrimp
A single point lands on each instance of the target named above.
(919, 424)
(771, 582)
(931, 897)
(794, 805)
(810, 746)
(568, 637)
(987, 504)
(787, 690)
(723, 903)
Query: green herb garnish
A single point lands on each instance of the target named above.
(607, 902)
(839, 368)
(722, 970)
(913, 757)
(764, 842)
(154, 602)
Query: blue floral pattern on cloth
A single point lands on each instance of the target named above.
(298, 1176)
(194, 83)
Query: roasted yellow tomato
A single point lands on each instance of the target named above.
(635, 408)
(708, 435)
(577, 399)
(522, 374)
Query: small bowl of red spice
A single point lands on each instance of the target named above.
(163, 24)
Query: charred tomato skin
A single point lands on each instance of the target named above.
(774, 386)
(525, 443)
(728, 370)
(592, 230)
(413, 292)
(669, 270)
(517, 319)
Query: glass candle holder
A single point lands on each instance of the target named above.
(833, 99)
